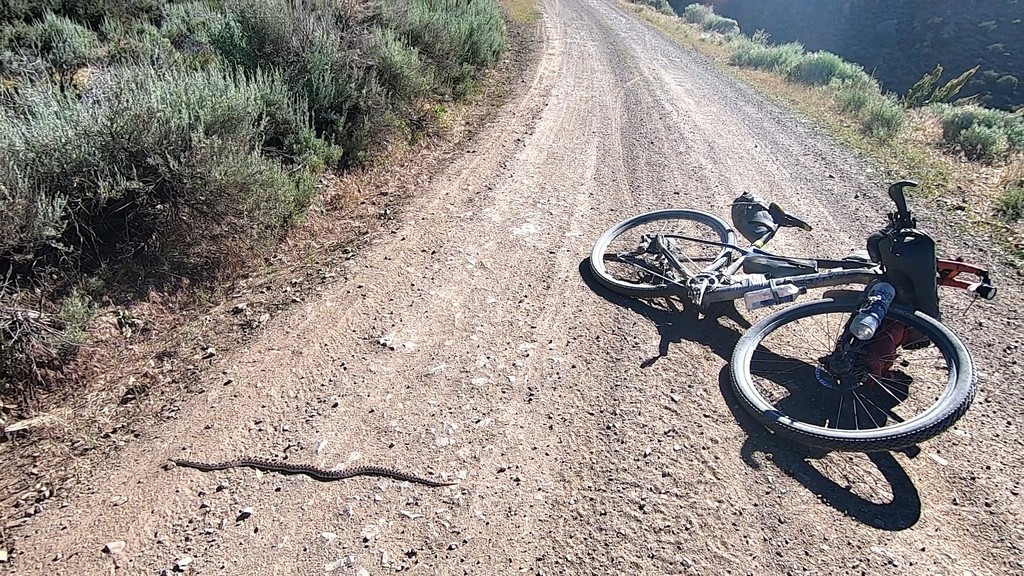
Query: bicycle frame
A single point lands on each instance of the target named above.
(834, 273)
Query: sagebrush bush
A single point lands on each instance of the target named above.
(778, 59)
(821, 68)
(660, 5)
(151, 95)
(400, 69)
(720, 24)
(138, 43)
(983, 142)
(705, 17)
(165, 164)
(696, 13)
(24, 11)
(980, 133)
(190, 27)
(145, 139)
(65, 45)
(1011, 202)
(883, 117)
(92, 13)
(854, 97)
(459, 37)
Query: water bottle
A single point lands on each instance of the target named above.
(875, 306)
(771, 296)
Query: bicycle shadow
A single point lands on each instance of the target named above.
(901, 512)
(677, 323)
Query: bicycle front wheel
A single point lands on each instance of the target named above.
(631, 258)
(782, 376)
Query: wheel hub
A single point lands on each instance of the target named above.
(838, 373)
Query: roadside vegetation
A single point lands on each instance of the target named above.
(162, 143)
(929, 131)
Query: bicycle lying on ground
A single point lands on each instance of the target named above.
(865, 370)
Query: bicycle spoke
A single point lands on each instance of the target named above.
(881, 385)
(661, 249)
(857, 397)
(787, 365)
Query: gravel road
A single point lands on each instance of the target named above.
(588, 434)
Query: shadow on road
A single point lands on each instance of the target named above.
(677, 323)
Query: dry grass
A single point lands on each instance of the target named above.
(521, 11)
(970, 190)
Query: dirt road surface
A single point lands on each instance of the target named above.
(588, 434)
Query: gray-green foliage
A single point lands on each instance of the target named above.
(854, 91)
(705, 17)
(779, 59)
(1011, 201)
(882, 117)
(821, 68)
(660, 5)
(149, 139)
(167, 163)
(457, 37)
(696, 13)
(981, 133)
(151, 114)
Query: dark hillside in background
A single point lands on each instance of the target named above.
(900, 41)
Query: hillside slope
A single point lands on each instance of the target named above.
(901, 41)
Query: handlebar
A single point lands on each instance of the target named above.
(904, 219)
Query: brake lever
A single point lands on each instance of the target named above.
(899, 197)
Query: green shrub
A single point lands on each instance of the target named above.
(697, 13)
(13, 11)
(705, 17)
(722, 25)
(190, 26)
(854, 96)
(63, 44)
(457, 37)
(778, 59)
(139, 43)
(145, 139)
(821, 68)
(92, 13)
(1011, 202)
(981, 133)
(660, 5)
(983, 142)
(320, 61)
(159, 165)
(399, 67)
(883, 117)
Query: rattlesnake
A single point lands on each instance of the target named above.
(311, 471)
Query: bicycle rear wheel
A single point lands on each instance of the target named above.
(629, 258)
(781, 375)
